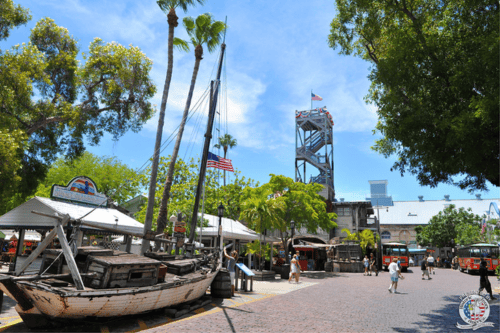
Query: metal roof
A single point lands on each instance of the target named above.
(421, 212)
(22, 217)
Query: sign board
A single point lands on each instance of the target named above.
(179, 229)
(180, 224)
(245, 269)
(81, 190)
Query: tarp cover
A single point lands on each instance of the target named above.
(230, 229)
(22, 217)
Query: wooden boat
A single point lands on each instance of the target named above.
(93, 283)
(104, 283)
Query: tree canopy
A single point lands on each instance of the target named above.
(275, 204)
(51, 102)
(185, 180)
(459, 225)
(112, 177)
(434, 80)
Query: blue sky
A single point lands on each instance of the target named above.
(277, 52)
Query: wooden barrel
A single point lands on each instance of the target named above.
(221, 286)
(329, 266)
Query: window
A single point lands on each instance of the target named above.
(340, 211)
(347, 211)
(385, 235)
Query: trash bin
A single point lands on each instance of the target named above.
(285, 271)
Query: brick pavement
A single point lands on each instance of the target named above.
(350, 303)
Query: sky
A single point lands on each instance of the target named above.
(277, 52)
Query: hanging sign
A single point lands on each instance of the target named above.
(80, 190)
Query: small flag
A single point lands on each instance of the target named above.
(214, 161)
(315, 97)
(484, 226)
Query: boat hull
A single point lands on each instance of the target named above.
(105, 303)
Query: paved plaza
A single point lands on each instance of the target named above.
(343, 302)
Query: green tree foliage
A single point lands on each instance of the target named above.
(365, 238)
(459, 225)
(274, 205)
(11, 16)
(49, 101)
(185, 180)
(111, 176)
(434, 75)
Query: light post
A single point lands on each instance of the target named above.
(292, 227)
(220, 213)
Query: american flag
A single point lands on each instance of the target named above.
(315, 97)
(218, 162)
(471, 312)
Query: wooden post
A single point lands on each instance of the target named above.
(129, 243)
(20, 242)
(69, 258)
(79, 238)
(272, 252)
(43, 245)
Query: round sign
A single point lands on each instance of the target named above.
(474, 309)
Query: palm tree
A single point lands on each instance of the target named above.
(167, 6)
(203, 30)
(226, 141)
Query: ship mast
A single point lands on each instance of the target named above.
(208, 136)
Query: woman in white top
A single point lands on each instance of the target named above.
(293, 268)
(430, 262)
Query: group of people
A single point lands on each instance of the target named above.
(370, 264)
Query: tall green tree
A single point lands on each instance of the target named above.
(459, 225)
(226, 142)
(50, 102)
(275, 204)
(202, 31)
(168, 7)
(434, 80)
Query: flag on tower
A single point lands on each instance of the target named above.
(214, 161)
(315, 97)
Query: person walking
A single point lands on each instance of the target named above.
(231, 265)
(438, 262)
(297, 272)
(373, 264)
(293, 268)
(484, 282)
(395, 273)
(425, 270)
(366, 263)
(430, 264)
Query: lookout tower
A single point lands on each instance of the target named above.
(314, 146)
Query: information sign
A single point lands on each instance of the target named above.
(245, 269)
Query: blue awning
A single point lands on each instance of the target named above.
(421, 251)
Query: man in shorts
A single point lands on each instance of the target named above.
(430, 264)
(424, 267)
(395, 273)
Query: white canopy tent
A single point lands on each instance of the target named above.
(231, 229)
(22, 217)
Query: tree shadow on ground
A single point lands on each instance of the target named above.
(446, 318)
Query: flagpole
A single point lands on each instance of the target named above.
(311, 99)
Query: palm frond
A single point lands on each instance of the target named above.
(181, 44)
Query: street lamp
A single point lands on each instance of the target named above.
(220, 211)
(292, 226)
